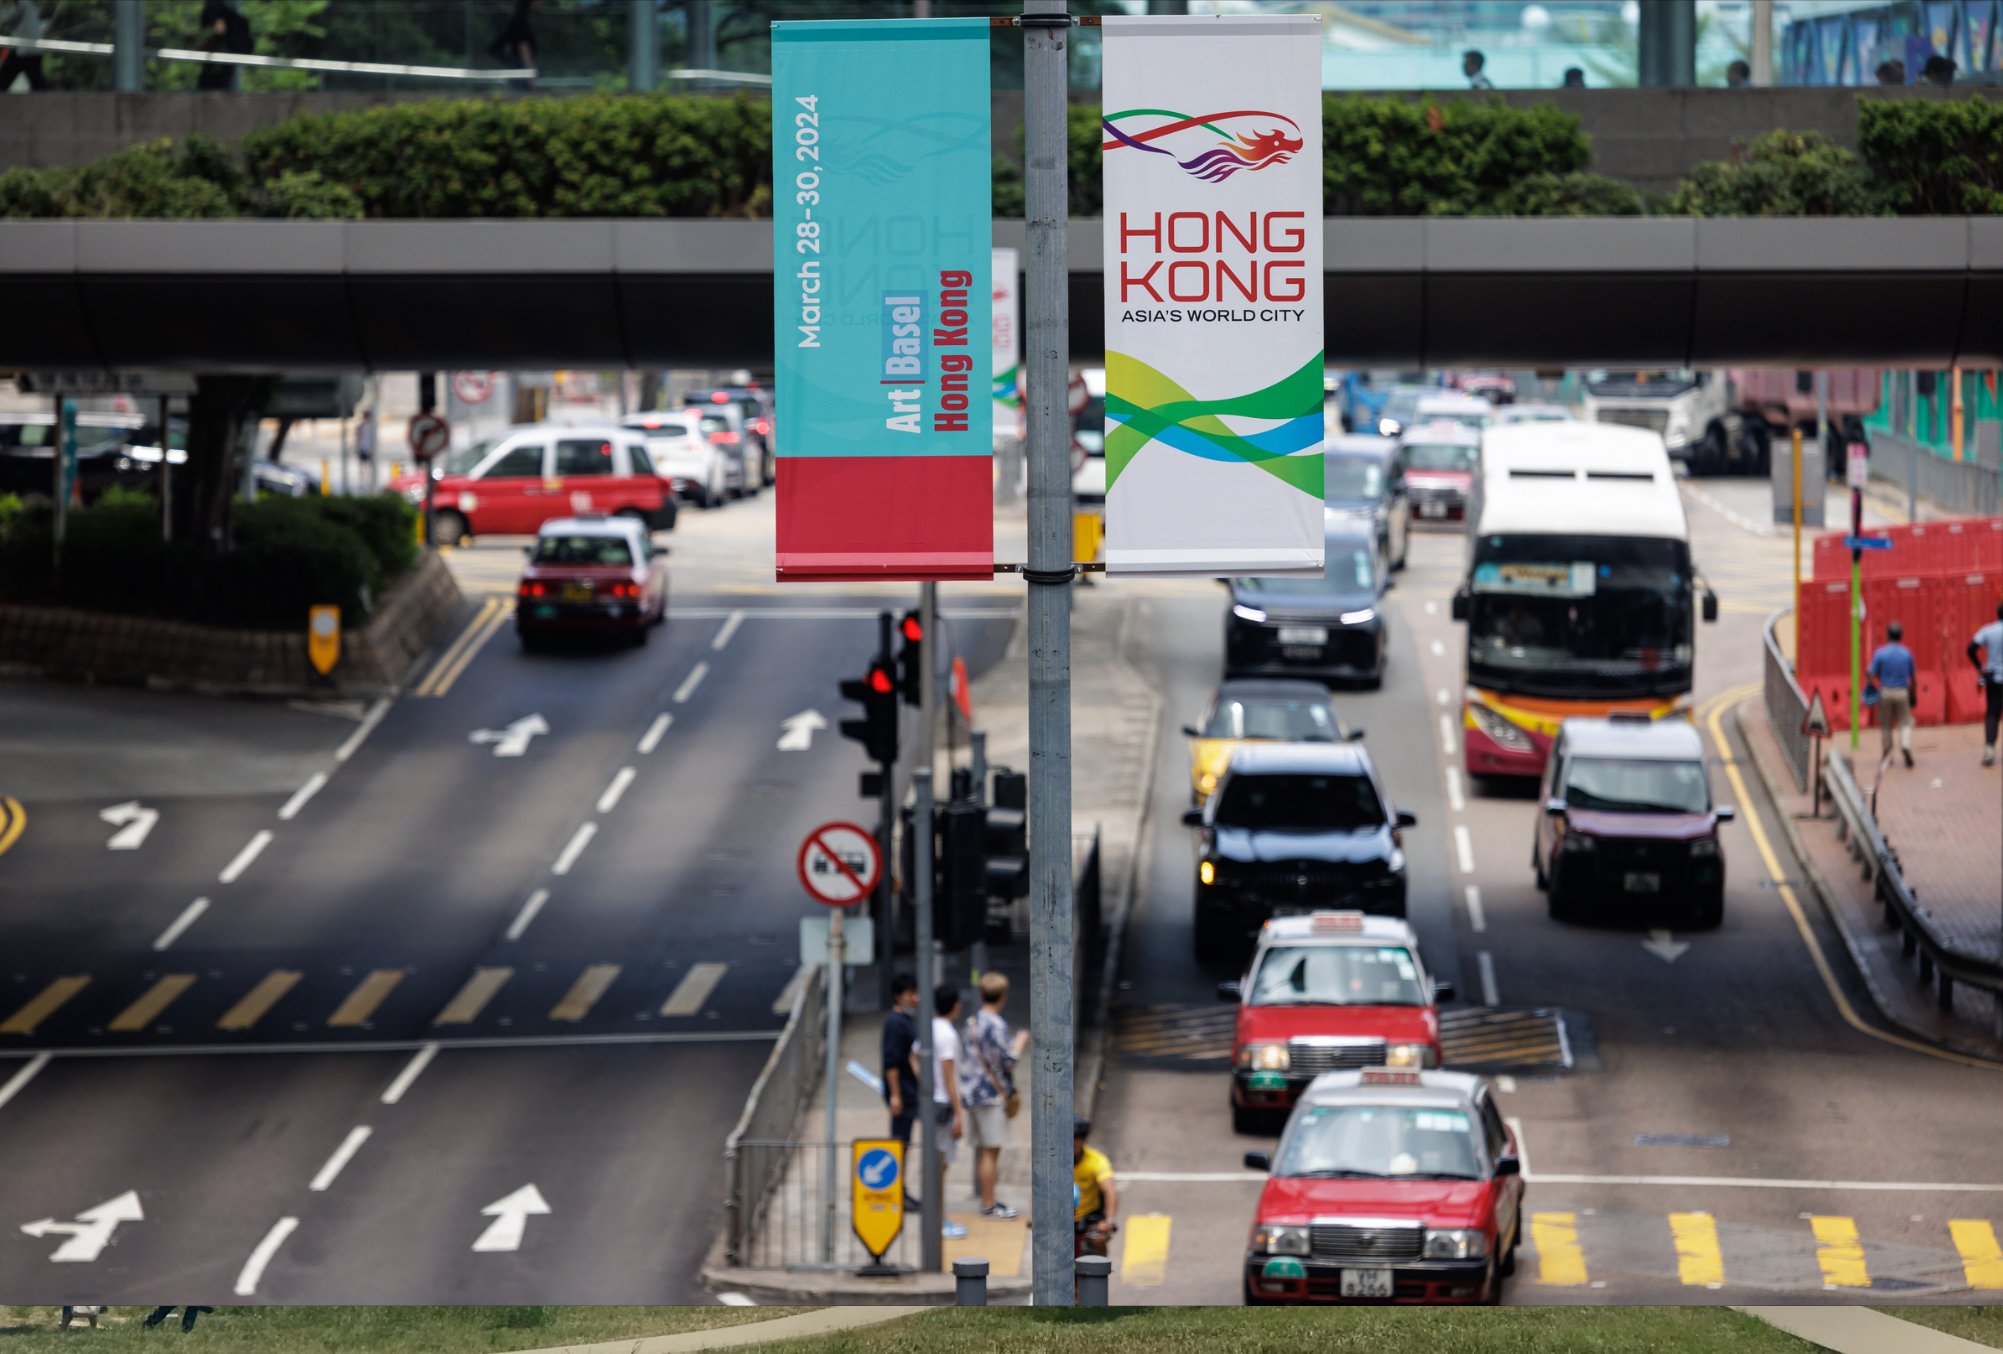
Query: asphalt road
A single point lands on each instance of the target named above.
(367, 976)
(1709, 1117)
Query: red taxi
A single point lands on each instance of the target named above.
(1327, 992)
(1388, 1186)
(591, 574)
(1436, 464)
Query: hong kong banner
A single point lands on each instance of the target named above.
(1213, 258)
(881, 155)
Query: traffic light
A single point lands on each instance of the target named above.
(911, 657)
(960, 896)
(877, 729)
(1005, 837)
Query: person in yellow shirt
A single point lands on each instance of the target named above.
(1094, 1197)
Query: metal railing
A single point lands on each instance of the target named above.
(1941, 964)
(777, 1098)
(1968, 488)
(1787, 705)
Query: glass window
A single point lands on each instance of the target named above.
(583, 456)
(1279, 720)
(1381, 1141)
(1344, 570)
(1337, 975)
(1636, 785)
(1438, 456)
(1353, 478)
(643, 464)
(611, 551)
(523, 462)
(1301, 803)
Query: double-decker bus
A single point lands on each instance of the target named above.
(1580, 595)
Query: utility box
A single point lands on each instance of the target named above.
(1813, 473)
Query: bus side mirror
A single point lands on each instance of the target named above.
(1710, 605)
(1460, 606)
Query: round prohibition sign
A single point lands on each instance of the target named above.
(473, 387)
(839, 864)
(428, 436)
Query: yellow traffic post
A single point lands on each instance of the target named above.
(323, 638)
(1954, 407)
(1088, 530)
(876, 1197)
(326, 484)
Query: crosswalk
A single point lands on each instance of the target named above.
(299, 1001)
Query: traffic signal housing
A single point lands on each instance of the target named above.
(877, 729)
(1005, 837)
(911, 657)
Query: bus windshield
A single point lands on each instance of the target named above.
(1572, 615)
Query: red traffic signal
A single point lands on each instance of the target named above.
(911, 628)
(880, 680)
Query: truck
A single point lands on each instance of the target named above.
(1724, 422)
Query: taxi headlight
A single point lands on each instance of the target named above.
(1264, 1057)
(1703, 848)
(1247, 613)
(1363, 617)
(1578, 841)
(414, 492)
(1410, 1055)
(1207, 872)
(1456, 1244)
(1206, 782)
(1504, 733)
(1280, 1240)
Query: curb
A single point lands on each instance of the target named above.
(826, 1321)
(843, 1289)
(1860, 1330)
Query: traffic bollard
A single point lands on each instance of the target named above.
(970, 1283)
(1093, 1273)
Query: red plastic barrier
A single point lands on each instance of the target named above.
(1968, 603)
(1915, 604)
(1988, 532)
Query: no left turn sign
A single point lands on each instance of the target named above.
(428, 436)
(839, 864)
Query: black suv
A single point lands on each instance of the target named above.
(1294, 828)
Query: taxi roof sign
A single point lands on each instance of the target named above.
(1338, 921)
(1379, 1077)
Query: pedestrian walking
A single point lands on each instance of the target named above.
(900, 1064)
(1893, 669)
(1472, 65)
(515, 48)
(1738, 75)
(22, 20)
(188, 1315)
(1986, 652)
(1891, 71)
(946, 1087)
(987, 1085)
(224, 29)
(1938, 70)
(1575, 78)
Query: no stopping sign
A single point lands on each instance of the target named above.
(839, 864)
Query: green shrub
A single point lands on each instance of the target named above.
(385, 523)
(1387, 157)
(1935, 157)
(114, 559)
(288, 557)
(1782, 173)
(1574, 194)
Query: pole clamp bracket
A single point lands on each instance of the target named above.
(1046, 20)
(1059, 577)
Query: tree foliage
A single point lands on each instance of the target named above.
(1783, 173)
(1933, 157)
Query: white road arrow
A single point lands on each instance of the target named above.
(510, 1219)
(512, 741)
(1663, 947)
(92, 1230)
(133, 822)
(799, 731)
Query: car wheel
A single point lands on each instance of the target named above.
(1556, 903)
(530, 643)
(1492, 1292)
(448, 528)
(1711, 913)
(1537, 869)
(1509, 1256)
(641, 634)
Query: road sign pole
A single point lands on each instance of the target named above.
(832, 1075)
(1797, 537)
(928, 684)
(166, 478)
(1856, 618)
(930, 1205)
(1047, 342)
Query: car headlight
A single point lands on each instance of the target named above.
(414, 492)
(1499, 729)
(1264, 1057)
(1410, 1055)
(1247, 613)
(1206, 782)
(1274, 1240)
(1703, 848)
(1362, 617)
(1207, 872)
(1456, 1244)
(1396, 864)
(1577, 841)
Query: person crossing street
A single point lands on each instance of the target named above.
(1986, 652)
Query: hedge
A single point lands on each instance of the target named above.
(678, 155)
(290, 554)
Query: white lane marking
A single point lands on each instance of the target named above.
(300, 796)
(1506, 1084)
(513, 741)
(1432, 607)
(1441, 695)
(510, 1214)
(134, 822)
(527, 914)
(244, 857)
(797, 731)
(783, 1003)
(1744, 1182)
(342, 1156)
(19, 1081)
(735, 1300)
(1522, 1145)
(1446, 735)
(363, 730)
(730, 625)
(1476, 918)
(1464, 848)
(253, 1268)
(578, 841)
(652, 738)
(181, 923)
(1439, 649)
(235, 1050)
(1736, 519)
(610, 799)
(1487, 966)
(1192, 1177)
(417, 1064)
(690, 683)
(1455, 799)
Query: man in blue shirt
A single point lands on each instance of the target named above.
(1986, 652)
(1892, 668)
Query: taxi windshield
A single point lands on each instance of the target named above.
(598, 551)
(464, 460)
(1301, 803)
(1352, 479)
(1636, 785)
(1336, 975)
(1280, 721)
(1380, 1142)
(1439, 456)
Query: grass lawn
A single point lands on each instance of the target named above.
(1368, 1330)
(1984, 1325)
(368, 1330)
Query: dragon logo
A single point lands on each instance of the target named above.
(1251, 139)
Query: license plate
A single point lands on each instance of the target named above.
(577, 592)
(545, 611)
(1643, 882)
(1303, 634)
(1432, 510)
(1366, 1283)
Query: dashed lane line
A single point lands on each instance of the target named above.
(255, 848)
(17, 1083)
(651, 739)
(1476, 918)
(179, 926)
(411, 1071)
(339, 1161)
(1464, 848)
(528, 913)
(723, 636)
(1447, 739)
(301, 795)
(1486, 965)
(367, 727)
(253, 1269)
(1456, 800)
(691, 682)
(610, 799)
(574, 848)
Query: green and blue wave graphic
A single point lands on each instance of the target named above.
(1144, 405)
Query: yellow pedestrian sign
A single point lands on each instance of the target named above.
(876, 1193)
(323, 638)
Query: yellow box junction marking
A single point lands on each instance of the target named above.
(467, 1004)
(1981, 1257)
(1699, 1263)
(361, 1003)
(44, 1004)
(156, 1000)
(256, 1003)
(1145, 1261)
(1555, 1238)
(1839, 1252)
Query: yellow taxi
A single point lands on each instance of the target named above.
(1257, 710)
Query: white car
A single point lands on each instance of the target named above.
(1533, 413)
(701, 471)
(1452, 406)
(722, 426)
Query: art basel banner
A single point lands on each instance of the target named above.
(1212, 144)
(881, 175)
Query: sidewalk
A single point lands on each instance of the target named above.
(1942, 817)
(1859, 1330)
